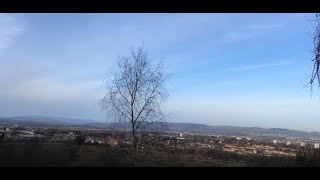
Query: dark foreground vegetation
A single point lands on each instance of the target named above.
(73, 154)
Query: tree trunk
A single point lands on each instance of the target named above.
(134, 146)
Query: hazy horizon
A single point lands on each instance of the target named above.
(245, 70)
(106, 121)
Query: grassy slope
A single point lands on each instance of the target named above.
(73, 155)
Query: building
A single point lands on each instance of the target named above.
(288, 143)
(113, 142)
(316, 145)
(302, 144)
(181, 135)
(274, 141)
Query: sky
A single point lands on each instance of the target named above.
(228, 69)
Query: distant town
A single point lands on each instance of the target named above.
(262, 146)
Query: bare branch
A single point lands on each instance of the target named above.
(315, 76)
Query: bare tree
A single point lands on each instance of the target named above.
(135, 92)
(316, 53)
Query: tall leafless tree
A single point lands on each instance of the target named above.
(315, 77)
(135, 92)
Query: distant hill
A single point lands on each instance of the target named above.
(43, 121)
(235, 130)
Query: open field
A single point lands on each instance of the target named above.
(66, 155)
(71, 155)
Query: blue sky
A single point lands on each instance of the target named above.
(229, 69)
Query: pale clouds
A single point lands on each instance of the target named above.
(250, 32)
(48, 90)
(9, 30)
(264, 27)
(252, 67)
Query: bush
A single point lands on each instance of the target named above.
(80, 140)
(1, 137)
(34, 140)
(191, 151)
